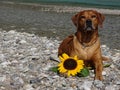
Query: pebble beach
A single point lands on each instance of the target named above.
(25, 63)
(25, 56)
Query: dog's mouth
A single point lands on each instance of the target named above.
(89, 25)
(89, 28)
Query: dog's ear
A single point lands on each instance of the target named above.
(75, 20)
(101, 18)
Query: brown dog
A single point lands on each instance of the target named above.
(85, 42)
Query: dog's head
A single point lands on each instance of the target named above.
(88, 20)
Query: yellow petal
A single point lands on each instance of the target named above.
(73, 73)
(62, 70)
(62, 59)
(68, 73)
(65, 56)
(80, 62)
(77, 69)
(75, 57)
(60, 64)
(81, 67)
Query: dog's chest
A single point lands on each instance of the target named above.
(85, 53)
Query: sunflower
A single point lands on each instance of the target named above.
(70, 65)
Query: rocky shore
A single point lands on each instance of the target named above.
(25, 62)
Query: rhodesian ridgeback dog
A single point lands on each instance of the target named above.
(85, 43)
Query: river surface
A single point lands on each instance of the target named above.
(54, 24)
(94, 3)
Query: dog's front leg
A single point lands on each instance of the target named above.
(98, 67)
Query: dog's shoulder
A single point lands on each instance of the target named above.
(68, 40)
(66, 46)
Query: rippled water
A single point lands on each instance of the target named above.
(93, 3)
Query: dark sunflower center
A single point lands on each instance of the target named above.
(70, 64)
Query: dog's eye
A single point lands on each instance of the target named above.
(82, 17)
(93, 16)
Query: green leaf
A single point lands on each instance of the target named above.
(54, 69)
(83, 73)
(107, 65)
(90, 68)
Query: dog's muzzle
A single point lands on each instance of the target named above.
(89, 25)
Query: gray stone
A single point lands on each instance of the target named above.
(25, 60)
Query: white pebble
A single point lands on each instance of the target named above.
(2, 56)
(109, 87)
(103, 46)
(98, 83)
(33, 49)
(104, 73)
(112, 66)
(11, 32)
(23, 41)
(87, 85)
(2, 78)
(5, 64)
(118, 82)
(28, 87)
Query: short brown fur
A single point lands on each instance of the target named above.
(85, 43)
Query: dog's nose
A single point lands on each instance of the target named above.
(88, 22)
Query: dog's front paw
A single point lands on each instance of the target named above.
(104, 58)
(99, 77)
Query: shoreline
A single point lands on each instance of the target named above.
(37, 19)
(59, 8)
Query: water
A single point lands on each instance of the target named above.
(114, 4)
(54, 24)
